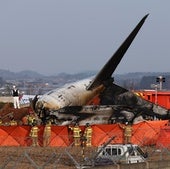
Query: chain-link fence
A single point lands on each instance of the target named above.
(61, 152)
(64, 157)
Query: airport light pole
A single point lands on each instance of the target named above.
(160, 79)
(156, 86)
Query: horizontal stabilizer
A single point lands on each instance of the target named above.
(108, 69)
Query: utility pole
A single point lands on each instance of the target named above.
(160, 79)
(156, 86)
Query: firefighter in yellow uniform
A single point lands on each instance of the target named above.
(13, 123)
(76, 134)
(31, 119)
(34, 134)
(88, 135)
(47, 134)
(127, 132)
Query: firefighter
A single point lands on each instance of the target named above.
(88, 135)
(127, 132)
(13, 122)
(34, 134)
(31, 119)
(76, 134)
(47, 134)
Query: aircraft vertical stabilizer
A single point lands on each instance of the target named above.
(108, 69)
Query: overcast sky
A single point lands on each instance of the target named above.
(54, 36)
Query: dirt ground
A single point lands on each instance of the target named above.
(48, 157)
(58, 157)
(7, 112)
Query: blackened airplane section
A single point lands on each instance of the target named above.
(98, 114)
(132, 108)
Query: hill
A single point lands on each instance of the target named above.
(134, 80)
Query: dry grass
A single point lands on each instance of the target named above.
(40, 156)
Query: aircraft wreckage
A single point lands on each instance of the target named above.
(70, 103)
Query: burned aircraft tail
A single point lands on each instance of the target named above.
(108, 69)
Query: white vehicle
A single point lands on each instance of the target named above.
(121, 153)
(26, 99)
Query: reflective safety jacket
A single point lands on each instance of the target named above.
(13, 123)
(34, 131)
(76, 131)
(88, 132)
(128, 130)
(30, 119)
(47, 131)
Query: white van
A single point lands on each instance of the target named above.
(121, 153)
